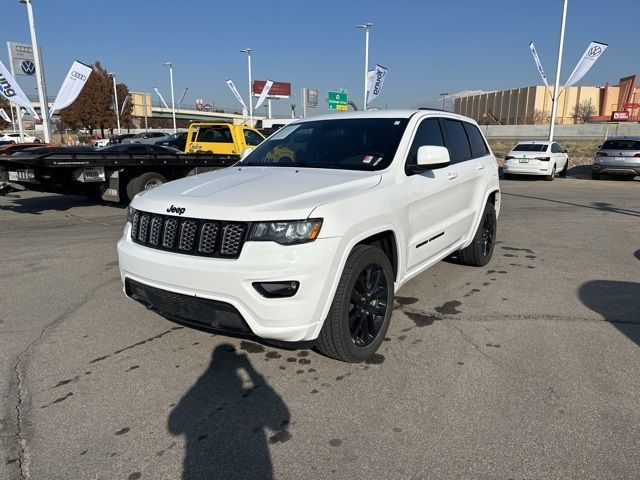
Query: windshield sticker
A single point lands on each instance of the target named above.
(377, 161)
(397, 122)
(367, 159)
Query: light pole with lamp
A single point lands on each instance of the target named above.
(556, 87)
(444, 96)
(115, 99)
(173, 102)
(366, 27)
(248, 52)
(42, 91)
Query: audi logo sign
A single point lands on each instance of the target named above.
(23, 49)
(78, 76)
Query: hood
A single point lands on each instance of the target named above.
(256, 193)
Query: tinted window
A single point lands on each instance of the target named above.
(478, 147)
(456, 140)
(621, 145)
(530, 147)
(428, 133)
(252, 138)
(348, 144)
(215, 135)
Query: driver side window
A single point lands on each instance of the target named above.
(428, 133)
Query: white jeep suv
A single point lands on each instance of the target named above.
(307, 238)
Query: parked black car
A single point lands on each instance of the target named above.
(176, 140)
(139, 148)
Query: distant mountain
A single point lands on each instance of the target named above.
(449, 100)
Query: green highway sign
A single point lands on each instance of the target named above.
(338, 100)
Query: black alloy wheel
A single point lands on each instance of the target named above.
(368, 306)
(488, 234)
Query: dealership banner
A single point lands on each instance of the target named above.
(591, 55)
(10, 89)
(263, 95)
(72, 86)
(21, 58)
(375, 80)
(236, 93)
(4, 116)
(155, 89)
(536, 58)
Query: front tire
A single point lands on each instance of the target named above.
(361, 310)
(479, 252)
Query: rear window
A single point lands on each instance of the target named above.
(456, 141)
(621, 145)
(478, 147)
(530, 147)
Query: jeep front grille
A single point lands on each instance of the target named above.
(193, 236)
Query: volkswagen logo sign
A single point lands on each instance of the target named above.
(28, 67)
(594, 51)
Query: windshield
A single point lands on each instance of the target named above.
(621, 145)
(349, 144)
(530, 147)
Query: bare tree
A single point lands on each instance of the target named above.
(538, 117)
(583, 111)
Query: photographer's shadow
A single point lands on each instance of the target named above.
(228, 423)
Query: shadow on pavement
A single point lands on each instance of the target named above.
(225, 420)
(41, 203)
(618, 302)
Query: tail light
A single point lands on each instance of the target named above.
(601, 154)
(637, 155)
(509, 157)
(544, 159)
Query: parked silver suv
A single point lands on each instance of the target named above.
(619, 156)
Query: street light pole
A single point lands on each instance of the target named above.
(444, 96)
(173, 102)
(42, 92)
(556, 87)
(115, 99)
(248, 52)
(366, 27)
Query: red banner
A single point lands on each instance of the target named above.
(278, 89)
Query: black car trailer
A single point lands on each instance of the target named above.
(113, 176)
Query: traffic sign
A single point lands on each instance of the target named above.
(338, 100)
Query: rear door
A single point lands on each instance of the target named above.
(432, 200)
(469, 152)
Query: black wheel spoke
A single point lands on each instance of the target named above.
(369, 305)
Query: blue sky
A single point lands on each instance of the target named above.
(429, 46)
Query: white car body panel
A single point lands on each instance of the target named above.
(354, 206)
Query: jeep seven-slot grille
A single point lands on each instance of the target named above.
(193, 236)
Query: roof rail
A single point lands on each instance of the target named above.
(435, 109)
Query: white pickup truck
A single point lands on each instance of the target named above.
(309, 236)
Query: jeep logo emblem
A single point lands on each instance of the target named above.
(174, 209)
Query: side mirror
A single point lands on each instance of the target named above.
(245, 153)
(430, 157)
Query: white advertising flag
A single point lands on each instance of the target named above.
(10, 89)
(263, 94)
(155, 89)
(591, 55)
(235, 92)
(4, 116)
(536, 58)
(72, 86)
(375, 80)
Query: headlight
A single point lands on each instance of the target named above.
(286, 232)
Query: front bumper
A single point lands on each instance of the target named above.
(293, 319)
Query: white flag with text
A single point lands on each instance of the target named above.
(4, 116)
(263, 94)
(235, 92)
(375, 81)
(10, 89)
(72, 86)
(536, 58)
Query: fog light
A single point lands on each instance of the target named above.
(277, 289)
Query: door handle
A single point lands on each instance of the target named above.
(452, 176)
(481, 167)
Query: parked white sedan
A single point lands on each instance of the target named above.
(536, 158)
(15, 138)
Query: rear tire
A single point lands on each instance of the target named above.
(479, 252)
(552, 175)
(361, 309)
(565, 169)
(145, 181)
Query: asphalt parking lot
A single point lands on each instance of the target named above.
(527, 368)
